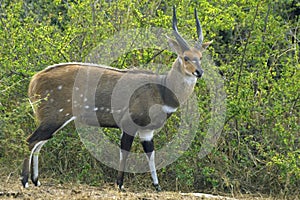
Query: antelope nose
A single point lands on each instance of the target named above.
(198, 73)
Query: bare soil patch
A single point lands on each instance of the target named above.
(14, 190)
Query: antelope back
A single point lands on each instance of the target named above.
(85, 91)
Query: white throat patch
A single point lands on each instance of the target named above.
(191, 80)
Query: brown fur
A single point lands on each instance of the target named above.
(132, 100)
(45, 89)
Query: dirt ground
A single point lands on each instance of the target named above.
(12, 189)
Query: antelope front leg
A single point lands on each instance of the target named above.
(126, 143)
(148, 146)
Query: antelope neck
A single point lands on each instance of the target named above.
(181, 84)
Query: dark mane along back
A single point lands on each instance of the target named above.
(132, 70)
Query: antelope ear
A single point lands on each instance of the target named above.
(206, 44)
(175, 46)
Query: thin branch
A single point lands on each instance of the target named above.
(154, 56)
(245, 49)
(266, 22)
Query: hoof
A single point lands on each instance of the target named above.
(24, 182)
(157, 187)
(120, 187)
(38, 184)
(26, 185)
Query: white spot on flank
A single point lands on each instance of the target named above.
(86, 107)
(81, 95)
(59, 87)
(69, 100)
(102, 108)
(26, 185)
(67, 114)
(95, 109)
(107, 109)
(60, 110)
(85, 99)
(76, 88)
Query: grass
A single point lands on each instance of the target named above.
(11, 188)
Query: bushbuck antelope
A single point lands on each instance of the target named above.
(53, 88)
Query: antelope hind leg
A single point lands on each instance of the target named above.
(35, 142)
(35, 162)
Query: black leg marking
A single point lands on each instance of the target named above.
(43, 132)
(25, 173)
(148, 147)
(126, 143)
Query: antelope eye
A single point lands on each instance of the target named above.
(186, 58)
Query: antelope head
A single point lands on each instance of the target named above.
(189, 57)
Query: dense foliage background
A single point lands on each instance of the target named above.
(256, 50)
